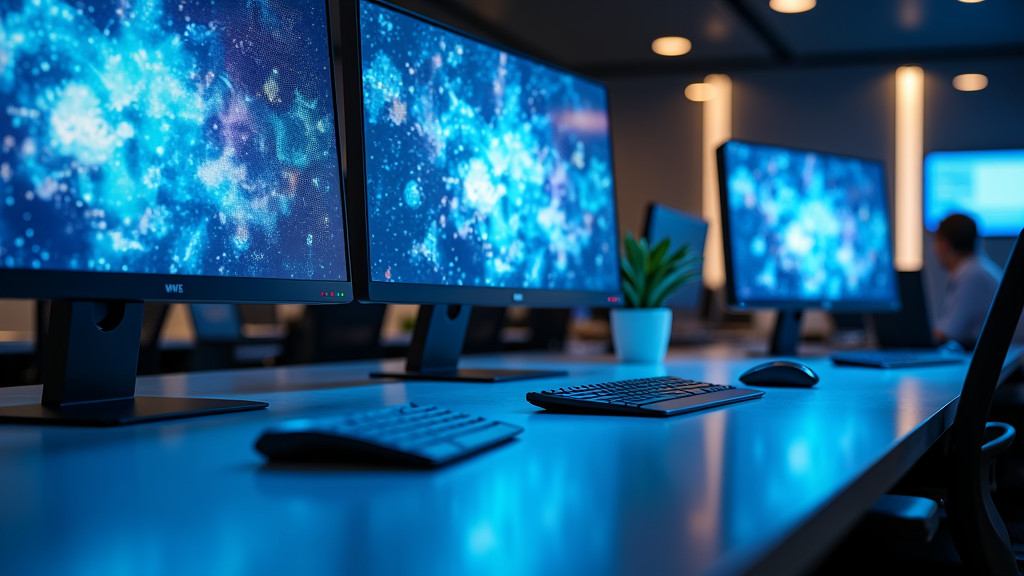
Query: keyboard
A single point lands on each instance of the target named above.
(660, 396)
(407, 434)
(899, 358)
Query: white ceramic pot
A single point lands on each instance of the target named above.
(641, 335)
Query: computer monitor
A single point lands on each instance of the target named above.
(686, 302)
(476, 176)
(681, 229)
(987, 185)
(804, 229)
(159, 150)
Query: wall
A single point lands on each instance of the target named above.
(656, 135)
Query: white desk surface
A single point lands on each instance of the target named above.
(764, 486)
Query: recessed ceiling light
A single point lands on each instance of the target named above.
(970, 82)
(791, 6)
(971, 1)
(671, 46)
(700, 91)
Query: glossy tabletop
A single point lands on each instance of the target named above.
(764, 486)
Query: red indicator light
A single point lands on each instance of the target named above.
(613, 299)
(321, 294)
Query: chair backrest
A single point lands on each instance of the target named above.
(216, 322)
(980, 535)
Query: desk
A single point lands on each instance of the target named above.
(765, 486)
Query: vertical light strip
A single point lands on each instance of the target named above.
(717, 129)
(909, 160)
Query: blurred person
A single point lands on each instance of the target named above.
(971, 282)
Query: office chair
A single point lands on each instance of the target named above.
(483, 334)
(335, 332)
(220, 339)
(978, 530)
(963, 464)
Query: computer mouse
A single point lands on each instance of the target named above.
(780, 373)
(953, 346)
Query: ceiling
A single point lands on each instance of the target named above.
(613, 37)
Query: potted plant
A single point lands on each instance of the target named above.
(640, 331)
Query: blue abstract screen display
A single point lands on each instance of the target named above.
(187, 137)
(483, 168)
(806, 227)
(987, 185)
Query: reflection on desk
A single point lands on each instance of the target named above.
(757, 487)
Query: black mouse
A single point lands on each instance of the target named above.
(780, 373)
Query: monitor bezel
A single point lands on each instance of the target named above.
(926, 190)
(92, 285)
(367, 290)
(797, 305)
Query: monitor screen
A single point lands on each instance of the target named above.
(681, 229)
(155, 148)
(487, 174)
(987, 185)
(805, 229)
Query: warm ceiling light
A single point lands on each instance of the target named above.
(671, 46)
(970, 82)
(971, 1)
(700, 91)
(791, 6)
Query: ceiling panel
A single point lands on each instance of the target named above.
(613, 37)
(911, 27)
(590, 34)
(586, 33)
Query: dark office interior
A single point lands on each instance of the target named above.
(373, 256)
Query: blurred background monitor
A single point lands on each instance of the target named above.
(158, 151)
(804, 230)
(687, 302)
(987, 185)
(476, 176)
(681, 229)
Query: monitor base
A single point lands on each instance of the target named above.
(122, 412)
(473, 375)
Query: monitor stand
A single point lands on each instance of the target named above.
(91, 356)
(787, 333)
(436, 344)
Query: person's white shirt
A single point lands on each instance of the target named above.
(970, 289)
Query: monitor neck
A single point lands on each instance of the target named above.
(437, 343)
(88, 347)
(438, 338)
(786, 335)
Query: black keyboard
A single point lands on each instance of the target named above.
(897, 358)
(661, 396)
(407, 434)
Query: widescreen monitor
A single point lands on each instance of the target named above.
(987, 185)
(804, 229)
(476, 176)
(167, 150)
